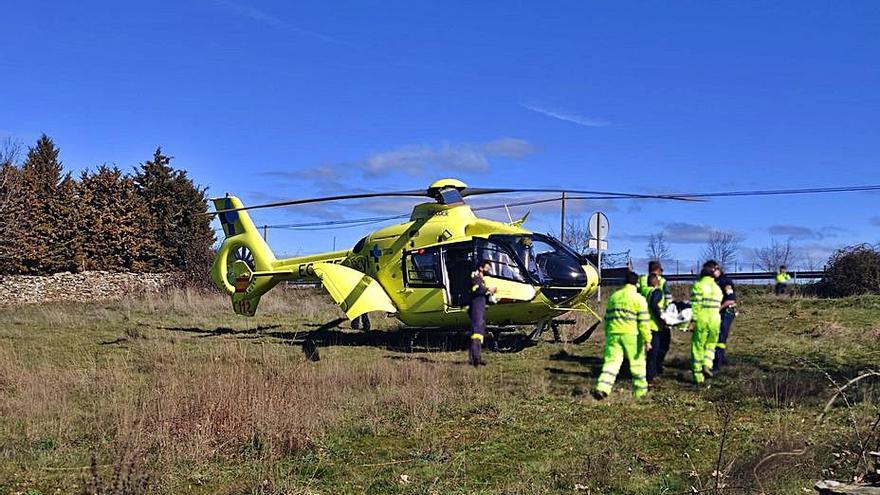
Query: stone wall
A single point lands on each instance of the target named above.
(81, 287)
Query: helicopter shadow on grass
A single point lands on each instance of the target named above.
(249, 333)
(330, 334)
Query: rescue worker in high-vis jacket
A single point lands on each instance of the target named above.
(627, 334)
(782, 278)
(655, 268)
(706, 305)
(477, 311)
(661, 334)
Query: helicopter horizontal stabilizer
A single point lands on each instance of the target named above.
(354, 291)
(521, 221)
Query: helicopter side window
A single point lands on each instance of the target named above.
(422, 268)
(503, 264)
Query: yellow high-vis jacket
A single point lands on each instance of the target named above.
(627, 314)
(706, 300)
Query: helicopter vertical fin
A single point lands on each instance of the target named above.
(243, 252)
(355, 292)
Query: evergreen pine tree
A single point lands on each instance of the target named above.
(119, 224)
(178, 206)
(47, 220)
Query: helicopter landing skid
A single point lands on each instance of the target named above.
(553, 325)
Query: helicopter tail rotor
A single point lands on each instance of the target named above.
(243, 252)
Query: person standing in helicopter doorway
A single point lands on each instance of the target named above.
(477, 311)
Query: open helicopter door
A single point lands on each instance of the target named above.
(458, 265)
(506, 276)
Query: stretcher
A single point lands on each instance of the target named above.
(678, 314)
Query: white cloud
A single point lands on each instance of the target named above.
(418, 159)
(794, 231)
(414, 160)
(566, 116)
(509, 148)
(258, 15)
(252, 13)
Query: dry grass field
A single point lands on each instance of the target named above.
(174, 394)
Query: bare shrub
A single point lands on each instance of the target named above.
(786, 388)
(852, 271)
(777, 464)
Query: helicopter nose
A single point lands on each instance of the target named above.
(592, 282)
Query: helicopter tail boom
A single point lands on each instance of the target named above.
(243, 259)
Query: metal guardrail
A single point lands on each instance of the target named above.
(617, 279)
(802, 275)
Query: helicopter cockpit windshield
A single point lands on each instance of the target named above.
(540, 258)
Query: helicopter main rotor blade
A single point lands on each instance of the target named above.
(477, 191)
(780, 192)
(277, 204)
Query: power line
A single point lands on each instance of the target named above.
(362, 222)
(765, 192)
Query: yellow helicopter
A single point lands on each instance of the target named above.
(419, 270)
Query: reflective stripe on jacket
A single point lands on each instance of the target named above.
(706, 299)
(645, 290)
(627, 313)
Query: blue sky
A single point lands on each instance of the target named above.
(277, 99)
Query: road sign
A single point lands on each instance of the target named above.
(599, 226)
(599, 245)
(599, 232)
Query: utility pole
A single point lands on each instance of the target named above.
(266, 233)
(562, 220)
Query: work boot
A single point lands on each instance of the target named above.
(599, 395)
(654, 382)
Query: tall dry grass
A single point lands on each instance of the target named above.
(304, 302)
(171, 402)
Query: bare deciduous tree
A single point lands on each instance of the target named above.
(658, 248)
(10, 151)
(776, 254)
(722, 247)
(577, 236)
(10, 154)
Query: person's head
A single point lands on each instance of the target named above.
(484, 266)
(655, 267)
(654, 280)
(782, 268)
(632, 278)
(711, 268)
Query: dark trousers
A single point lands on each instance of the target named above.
(362, 321)
(727, 318)
(780, 289)
(476, 348)
(477, 314)
(659, 347)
